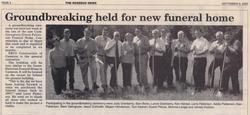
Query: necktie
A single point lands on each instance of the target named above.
(154, 47)
(116, 50)
(168, 50)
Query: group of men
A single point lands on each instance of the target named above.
(162, 53)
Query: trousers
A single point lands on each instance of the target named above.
(180, 67)
(58, 75)
(230, 72)
(114, 64)
(141, 66)
(127, 74)
(70, 67)
(84, 64)
(199, 71)
(103, 69)
(217, 62)
(156, 68)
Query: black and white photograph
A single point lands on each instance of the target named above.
(144, 62)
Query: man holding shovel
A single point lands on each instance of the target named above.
(216, 50)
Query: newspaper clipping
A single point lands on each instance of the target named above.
(96, 57)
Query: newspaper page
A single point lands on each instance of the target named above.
(124, 57)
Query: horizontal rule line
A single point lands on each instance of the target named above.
(129, 4)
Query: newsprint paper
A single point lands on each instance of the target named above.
(109, 57)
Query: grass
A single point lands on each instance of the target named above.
(78, 93)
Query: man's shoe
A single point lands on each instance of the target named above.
(71, 87)
(86, 89)
(95, 86)
(235, 93)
